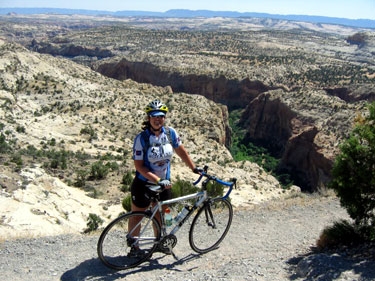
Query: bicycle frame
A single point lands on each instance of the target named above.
(201, 196)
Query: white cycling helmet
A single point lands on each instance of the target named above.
(156, 108)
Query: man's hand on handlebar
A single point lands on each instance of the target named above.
(198, 170)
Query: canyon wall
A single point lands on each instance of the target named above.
(273, 118)
(232, 93)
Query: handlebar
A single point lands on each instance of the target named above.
(232, 183)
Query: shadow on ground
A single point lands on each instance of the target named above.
(331, 266)
(94, 269)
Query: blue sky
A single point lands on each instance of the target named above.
(353, 9)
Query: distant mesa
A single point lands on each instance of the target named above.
(184, 13)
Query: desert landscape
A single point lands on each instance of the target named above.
(73, 89)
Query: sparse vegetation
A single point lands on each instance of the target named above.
(127, 203)
(93, 223)
(89, 130)
(182, 187)
(126, 181)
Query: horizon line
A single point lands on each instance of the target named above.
(184, 9)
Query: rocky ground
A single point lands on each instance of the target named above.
(273, 241)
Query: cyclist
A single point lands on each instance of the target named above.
(152, 152)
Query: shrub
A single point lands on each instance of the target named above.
(358, 39)
(4, 146)
(127, 203)
(93, 222)
(183, 187)
(88, 130)
(340, 233)
(353, 174)
(127, 178)
(113, 166)
(17, 159)
(20, 129)
(126, 181)
(80, 178)
(99, 170)
(58, 159)
(215, 189)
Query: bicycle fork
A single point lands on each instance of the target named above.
(209, 216)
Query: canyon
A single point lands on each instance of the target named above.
(78, 84)
(299, 88)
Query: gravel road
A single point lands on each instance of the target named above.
(270, 242)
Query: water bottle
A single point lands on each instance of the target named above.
(181, 215)
(168, 217)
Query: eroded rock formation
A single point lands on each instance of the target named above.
(68, 50)
(232, 93)
(294, 125)
(300, 132)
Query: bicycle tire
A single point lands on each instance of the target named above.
(210, 225)
(115, 242)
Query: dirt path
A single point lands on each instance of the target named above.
(265, 243)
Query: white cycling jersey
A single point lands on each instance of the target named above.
(159, 153)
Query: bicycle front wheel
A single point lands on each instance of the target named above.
(210, 225)
(128, 240)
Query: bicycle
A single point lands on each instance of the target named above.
(122, 248)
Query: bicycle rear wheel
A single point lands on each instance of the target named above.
(121, 248)
(210, 225)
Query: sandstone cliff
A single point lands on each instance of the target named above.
(231, 92)
(304, 132)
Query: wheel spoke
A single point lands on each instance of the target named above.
(128, 241)
(210, 225)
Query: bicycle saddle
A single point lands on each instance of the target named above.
(155, 188)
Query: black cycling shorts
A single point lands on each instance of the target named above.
(140, 193)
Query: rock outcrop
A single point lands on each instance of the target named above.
(301, 159)
(267, 121)
(233, 93)
(69, 50)
(353, 94)
(299, 133)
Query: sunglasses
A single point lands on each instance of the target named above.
(157, 116)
